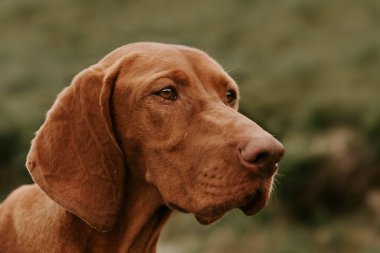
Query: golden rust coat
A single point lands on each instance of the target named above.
(148, 129)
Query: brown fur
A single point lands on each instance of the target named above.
(114, 157)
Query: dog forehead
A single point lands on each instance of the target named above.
(164, 55)
(151, 59)
(189, 60)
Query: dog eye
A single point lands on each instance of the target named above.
(168, 93)
(231, 96)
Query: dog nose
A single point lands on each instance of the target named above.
(261, 154)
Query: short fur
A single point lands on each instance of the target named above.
(115, 157)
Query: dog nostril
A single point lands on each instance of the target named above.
(260, 158)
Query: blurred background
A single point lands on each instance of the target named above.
(308, 70)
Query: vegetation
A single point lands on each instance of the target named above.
(309, 72)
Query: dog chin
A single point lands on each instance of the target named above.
(204, 220)
(250, 204)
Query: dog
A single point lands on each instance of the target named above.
(149, 129)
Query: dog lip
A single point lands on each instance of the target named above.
(255, 202)
(251, 204)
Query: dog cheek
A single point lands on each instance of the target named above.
(170, 186)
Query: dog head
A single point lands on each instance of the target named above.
(169, 114)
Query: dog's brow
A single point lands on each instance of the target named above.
(224, 82)
(178, 76)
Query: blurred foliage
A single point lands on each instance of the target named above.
(309, 72)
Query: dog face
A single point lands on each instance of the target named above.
(175, 112)
(164, 116)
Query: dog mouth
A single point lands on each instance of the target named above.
(256, 202)
(251, 204)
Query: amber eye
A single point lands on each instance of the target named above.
(231, 96)
(168, 93)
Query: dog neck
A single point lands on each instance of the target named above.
(142, 218)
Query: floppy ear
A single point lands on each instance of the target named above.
(74, 157)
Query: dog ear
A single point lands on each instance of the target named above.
(74, 157)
